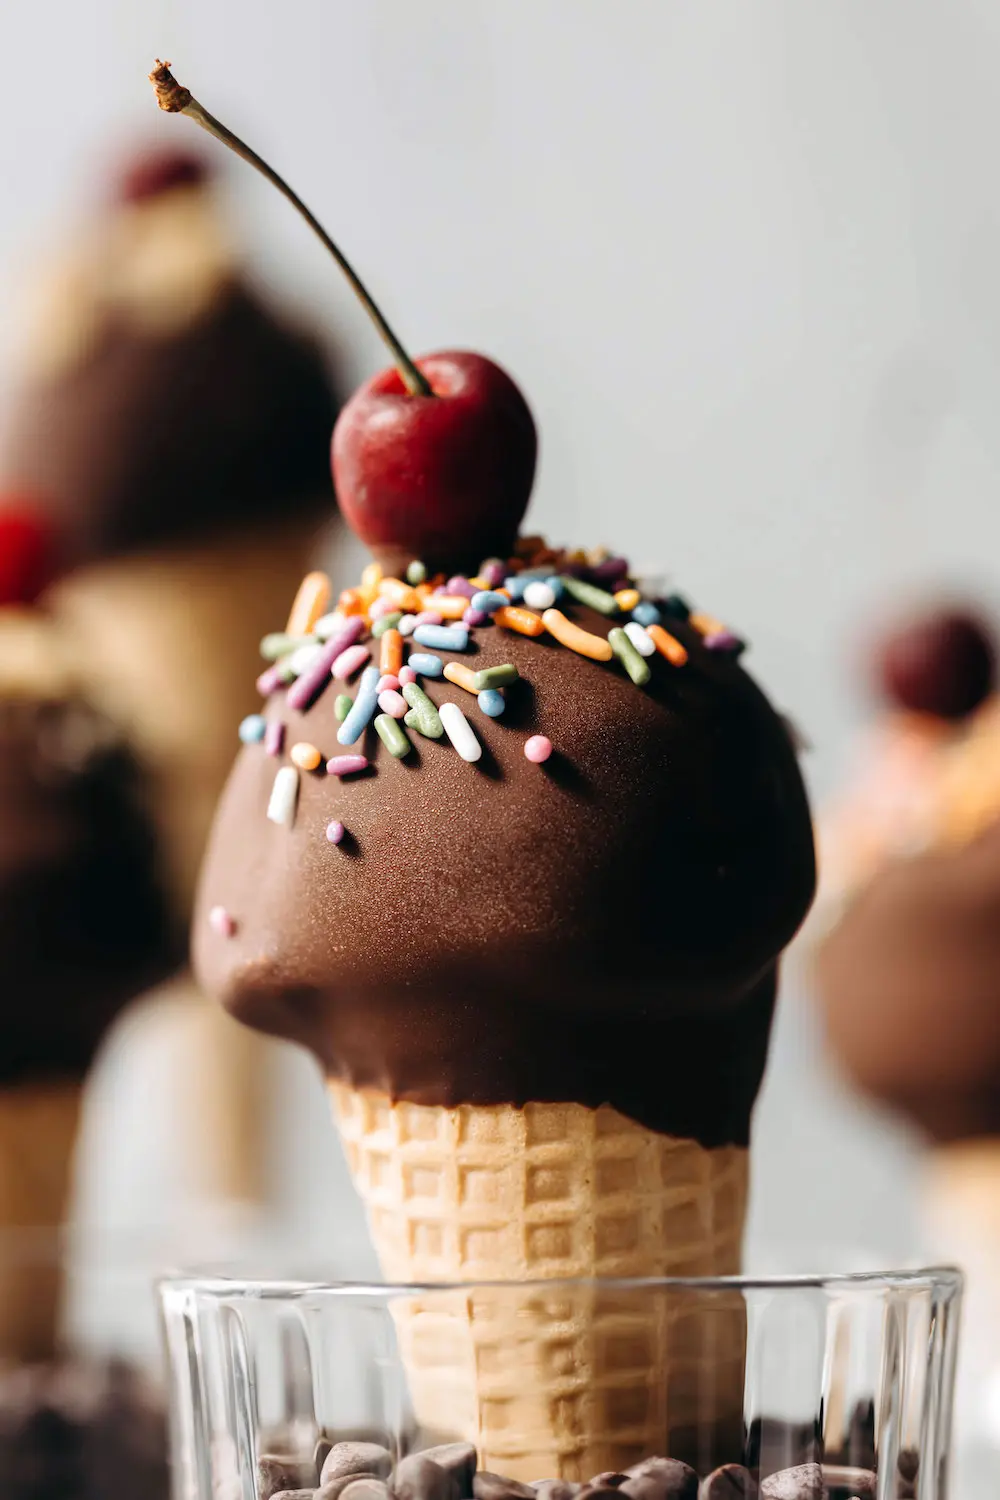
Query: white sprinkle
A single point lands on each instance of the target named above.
(302, 659)
(284, 797)
(539, 595)
(640, 638)
(460, 732)
(328, 625)
(407, 625)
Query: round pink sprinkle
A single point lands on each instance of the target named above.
(221, 922)
(393, 704)
(538, 748)
(475, 617)
(388, 683)
(349, 661)
(430, 617)
(382, 606)
(406, 675)
(335, 832)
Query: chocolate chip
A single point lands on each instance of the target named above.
(661, 1479)
(487, 1486)
(908, 1463)
(599, 1492)
(846, 1483)
(356, 1458)
(609, 1480)
(459, 1459)
(557, 1489)
(730, 1482)
(277, 1472)
(334, 1488)
(804, 1482)
(363, 1487)
(309, 1494)
(418, 1477)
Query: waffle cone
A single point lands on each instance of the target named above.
(582, 1379)
(39, 1123)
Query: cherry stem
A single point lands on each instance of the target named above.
(176, 99)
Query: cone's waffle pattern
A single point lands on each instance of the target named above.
(571, 1382)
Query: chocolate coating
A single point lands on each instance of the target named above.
(152, 440)
(909, 981)
(601, 929)
(83, 923)
(943, 664)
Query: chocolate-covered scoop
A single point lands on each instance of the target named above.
(603, 927)
(83, 924)
(909, 981)
(160, 401)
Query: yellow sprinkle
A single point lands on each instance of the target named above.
(627, 599)
(667, 645)
(401, 594)
(524, 621)
(462, 677)
(449, 606)
(707, 624)
(310, 602)
(305, 756)
(479, 583)
(580, 641)
(371, 577)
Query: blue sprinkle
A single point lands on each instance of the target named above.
(425, 663)
(252, 729)
(362, 709)
(488, 601)
(491, 701)
(556, 585)
(442, 637)
(646, 613)
(515, 586)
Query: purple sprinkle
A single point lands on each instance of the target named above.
(475, 617)
(221, 922)
(429, 617)
(724, 640)
(460, 585)
(308, 687)
(346, 765)
(611, 569)
(335, 832)
(440, 591)
(274, 737)
(493, 573)
(269, 681)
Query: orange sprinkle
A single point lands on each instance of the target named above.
(524, 621)
(667, 645)
(423, 592)
(305, 756)
(707, 624)
(391, 655)
(479, 583)
(627, 599)
(371, 577)
(351, 602)
(310, 602)
(568, 634)
(449, 606)
(400, 593)
(462, 677)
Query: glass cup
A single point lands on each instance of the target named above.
(847, 1380)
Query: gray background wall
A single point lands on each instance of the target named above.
(743, 259)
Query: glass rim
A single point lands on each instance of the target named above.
(219, 1283)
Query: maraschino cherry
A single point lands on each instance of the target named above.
(433, 458)
(156, 170)
(942, 663)
(27, 552)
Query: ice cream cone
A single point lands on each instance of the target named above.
(580, 1380)
(38, 1132)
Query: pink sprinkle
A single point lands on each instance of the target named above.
(460, 585)
(475, 617)
(305, 689)
(387, 684)
(430, 617)
(274, 737)
(538, 748)
(335, 832)
(269, 681)
(221, 922)
(392, 703)
(346, 765)
(493, 573)
(406, 675)
(382, 606)
(349, 661)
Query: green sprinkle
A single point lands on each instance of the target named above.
(416, 573)
(588, 593)
(278, 644)
(387, 622)
(343, 706)
(494, 677)
(388, 730)
(635, 665)
(423, 716)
